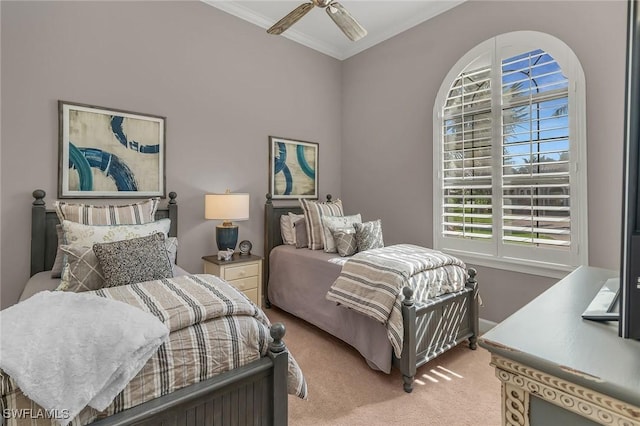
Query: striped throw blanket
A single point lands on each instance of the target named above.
(214, 328)
(371, 282)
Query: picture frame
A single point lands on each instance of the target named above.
(293, 168)
(110, 153)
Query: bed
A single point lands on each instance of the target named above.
(253, 394)
(297, 281)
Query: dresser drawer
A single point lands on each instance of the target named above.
(243, 284)
(241, 271)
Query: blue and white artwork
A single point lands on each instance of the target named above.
(294, 168)
(110, 153)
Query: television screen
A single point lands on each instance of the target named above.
(630, 265)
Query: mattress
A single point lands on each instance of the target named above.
(217, 331)
(42, 281)
(298, 283)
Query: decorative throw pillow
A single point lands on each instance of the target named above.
(126, 214)
(82, 271)
(286, 227)
(300, 227)
(133, 261)
(369, 235)
(345, 239)
(331, 223)
(171, 244)
(88, 235)
(313, 212)
(58, 263)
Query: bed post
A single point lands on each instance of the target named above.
(280, 357)
(173, 214)
(408, 358)
(268, 245)
(475, 305)
(38, 234)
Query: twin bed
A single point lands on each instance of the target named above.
(253, 392)
(297, 281)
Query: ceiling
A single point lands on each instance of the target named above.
(382, 20)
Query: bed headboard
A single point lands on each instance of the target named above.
(44, 239)
(272, 234)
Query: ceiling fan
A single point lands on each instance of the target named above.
(347, 23)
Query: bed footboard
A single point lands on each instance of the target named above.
(255, 394)
(432, 328)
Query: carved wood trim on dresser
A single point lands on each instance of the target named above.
(558, 369)
(519, 382)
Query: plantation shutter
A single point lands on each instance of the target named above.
(535, 152)
(467, 210)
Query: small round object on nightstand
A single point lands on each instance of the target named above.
(245, 247)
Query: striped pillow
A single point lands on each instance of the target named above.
(126, 214)
(313, 212)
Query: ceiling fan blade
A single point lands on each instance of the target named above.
(293, 17)
(347, 23)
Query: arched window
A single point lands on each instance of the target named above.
(510, 155)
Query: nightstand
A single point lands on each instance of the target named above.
(243, 272)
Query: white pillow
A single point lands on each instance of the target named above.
(88, 235)
(286, 227)
(331, 224)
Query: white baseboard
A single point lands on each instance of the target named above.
(486, 325)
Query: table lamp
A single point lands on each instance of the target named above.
(226, 207)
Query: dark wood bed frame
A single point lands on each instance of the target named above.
(430, 329)
(255, 394)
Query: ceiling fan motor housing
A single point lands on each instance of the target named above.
(343, 19)
(322, 3)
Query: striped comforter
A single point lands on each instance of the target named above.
(371, 282)
(214, 328)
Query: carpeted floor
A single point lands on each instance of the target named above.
(457, 388)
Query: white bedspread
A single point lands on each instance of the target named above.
(69, 350)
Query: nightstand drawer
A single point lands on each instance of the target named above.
(243, 284)
(253, 295)
(241, 271)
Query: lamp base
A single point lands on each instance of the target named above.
(226, 237)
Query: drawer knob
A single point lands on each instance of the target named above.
(242, 273)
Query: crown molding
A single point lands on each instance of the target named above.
(367, 42)
(243, 12)
(262, 21)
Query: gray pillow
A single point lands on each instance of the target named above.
(82, 271)
(369, 235)
(133, 261)
(58, 263)
(300, 228)
(345, 239)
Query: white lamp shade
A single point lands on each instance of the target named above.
(227, 206)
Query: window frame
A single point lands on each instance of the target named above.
(494, 253)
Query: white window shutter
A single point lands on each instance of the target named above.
(510, 136)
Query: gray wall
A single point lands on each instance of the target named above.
(388, 98)
(223, 84)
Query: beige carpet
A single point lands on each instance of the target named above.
(457, 388)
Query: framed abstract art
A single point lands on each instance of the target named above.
(293, 168)
(110, 153)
